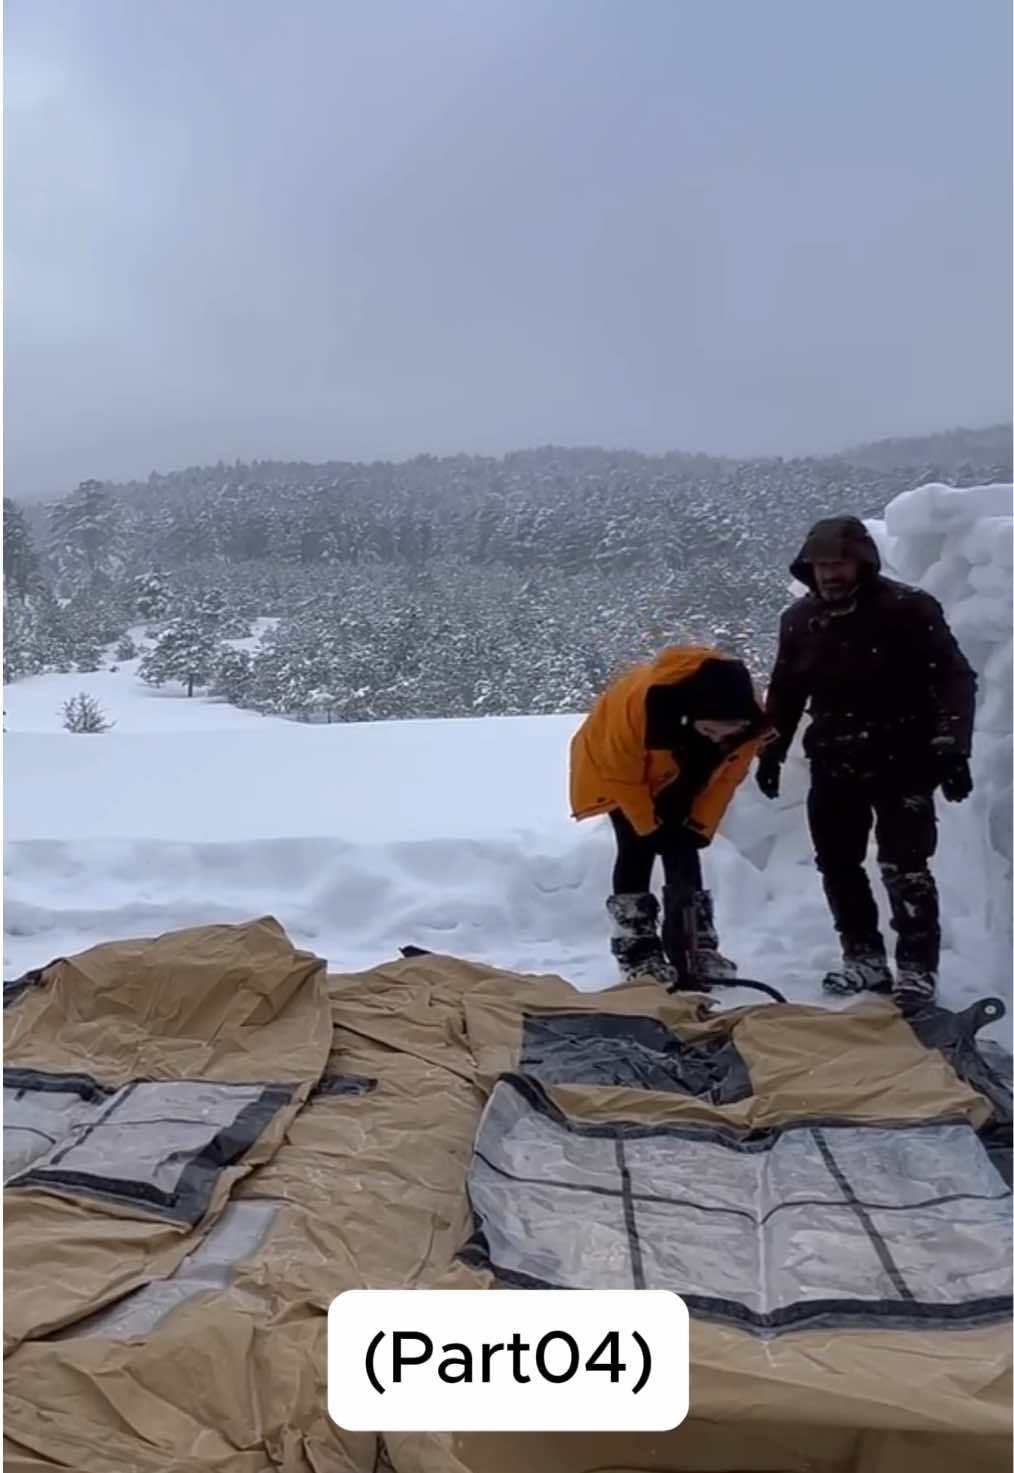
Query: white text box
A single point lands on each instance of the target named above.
(513, 1360)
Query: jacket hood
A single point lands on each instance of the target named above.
(718, 689)
(836, 537)
(709, 683)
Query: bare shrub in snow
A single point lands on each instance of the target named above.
(82, 713)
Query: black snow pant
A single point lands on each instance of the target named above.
(681, 873)
(636, 855)
(842, 811)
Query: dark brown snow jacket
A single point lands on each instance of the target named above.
(882, 674)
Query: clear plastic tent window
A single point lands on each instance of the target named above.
(36, 1121)
(817, 1224)
(159, 1146)
(235, 1238)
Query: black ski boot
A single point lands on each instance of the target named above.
(635, 942)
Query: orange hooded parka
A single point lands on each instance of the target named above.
(610, 766)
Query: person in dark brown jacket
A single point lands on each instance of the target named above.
(891, 702)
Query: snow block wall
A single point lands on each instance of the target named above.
(957, 544)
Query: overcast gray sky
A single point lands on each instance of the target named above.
(319, 229)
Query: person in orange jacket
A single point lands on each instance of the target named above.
(662, 752)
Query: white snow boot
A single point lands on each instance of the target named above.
(635, 943)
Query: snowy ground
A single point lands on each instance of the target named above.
(452, 835)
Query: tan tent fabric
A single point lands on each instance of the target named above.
(804, 1061)
(362, 1183)
(226, 1003)
(217, 1002)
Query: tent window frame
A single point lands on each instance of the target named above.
(191, 1194)
(904, 1310)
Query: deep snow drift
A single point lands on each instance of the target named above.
(455, 835)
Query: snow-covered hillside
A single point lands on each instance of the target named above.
(455, 835)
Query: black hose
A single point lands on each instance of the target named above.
(772, 992)
(706, 986)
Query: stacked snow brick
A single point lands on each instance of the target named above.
(958, 544)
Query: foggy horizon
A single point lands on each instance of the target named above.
(335, 234)
(820, 453)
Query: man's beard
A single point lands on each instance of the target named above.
(838, 593)
(840, 603)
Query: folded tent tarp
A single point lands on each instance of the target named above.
(207, 1138)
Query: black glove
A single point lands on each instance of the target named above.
(955, 777)
(769, 776)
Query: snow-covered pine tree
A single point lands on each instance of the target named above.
(215, 607)
(55, 634)
(186, 651)
(21, 563)
(88, 655)
(94, 615)
(233, 678)
(23, 646)
(211, 609)
(84, 529)
(151, 596)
